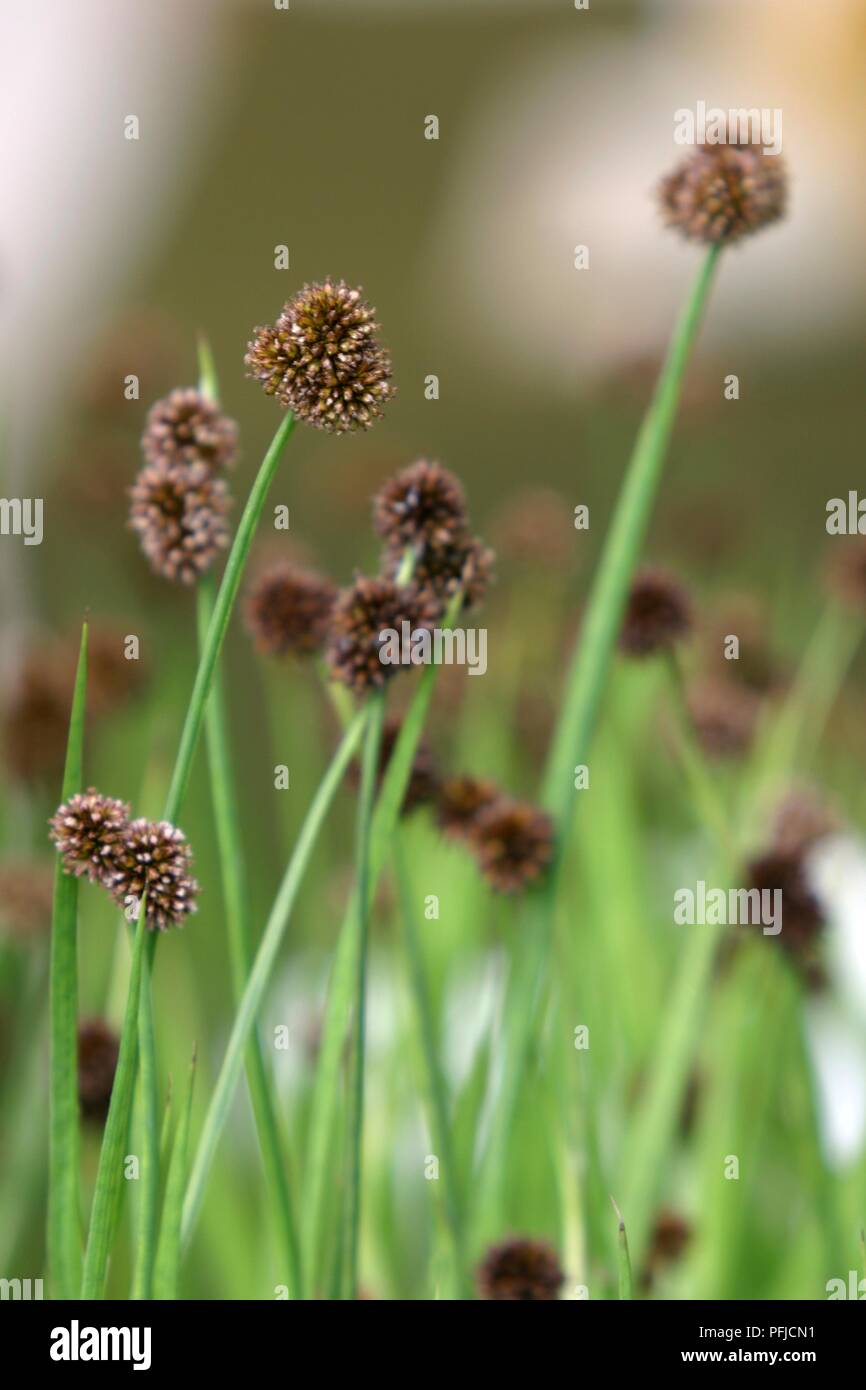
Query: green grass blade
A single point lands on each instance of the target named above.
(262, 969)
(259, 1082)
(64, 1214)
(167, 1263)
(623, 1258)
(110, 1177)
(147, 1188)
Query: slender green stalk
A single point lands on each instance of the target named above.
(236, 896)
(167, 1263)
(64, 1212)
(149, 1133)
(110, 1175)
(260, 974)
(623, 1258)
(366, 796)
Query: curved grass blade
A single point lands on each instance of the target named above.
(167, 1263)
(64, 1214)
(623, 1259)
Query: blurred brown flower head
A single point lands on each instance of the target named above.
(520, 1270)
(98, 1051)
(288, 610)
(36, 717)
(459, 801)
(657, 614)
(322, 359)
(721, 193)
(112, 677)
(87, 831)
(361, 614)
(513, 842)
(186, 428)
(464, 562)
(802, 918)
(724, 715)
(670, 1236)
(26, 892)
(153, 857)
(422, 506)
(179, 513)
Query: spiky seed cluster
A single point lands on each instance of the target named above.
(459, 802)
(154, 858)
(464, 562)
(98, 1051)
(186, 428)
(802, 917)
(513, 842)
(422, 506)
(520, 1270)
(721, 193)
(288, 610)
(87, 831)
(361, 613)
(179, 513)
(322, 360)
(657, 614)
(25, 898)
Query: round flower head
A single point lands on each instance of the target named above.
(513, 842)
(87, 830)
(520, 1270)
(98, 1051)
(721, 193)
(322, 360)
(154, 858)
(288, 610)
(361, 614)
(185, 428)
(459, 802)
(670, 1235)
(657, 614)
(784, 870)
(179, 513)
(463, 562)
(422, 506)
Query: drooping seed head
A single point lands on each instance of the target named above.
(657, 614)
(361, 614)
(422, 506)
(185, 428)
(464, 562)
(520, 1270)
(87, 830)
(288, 610)
(722, 193)
(179, 514)
(459, 802)
(322, 359)
(513, 842)
(153, 857)
(98, 1051)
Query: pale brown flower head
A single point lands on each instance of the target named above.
(721, 193)
(422, 506)
(513, 842)
(322, 359)
(87, 831)
(179, 514)
(520, 1270)
(361, 614)
(460, 801)
(98, 1051)
(657, 614)
(288, 610)
(36, 718)
(185, 428)
(154, 858)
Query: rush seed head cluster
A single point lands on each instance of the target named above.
(657, 614)
(361, 613)
(288, 610)
(186, 428)
(520, 1270)
(722, 193)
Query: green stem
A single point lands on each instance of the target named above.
(236, 896)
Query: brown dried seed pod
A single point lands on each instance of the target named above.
(520, 1270)
(288, 610)
(186, 428)
(657, 614)
(98, 1051)
(513, 842)
(459, 802)
(361, 614)
(87, 830)
(179, 513)
(722, 193)
(422, 506)
(463, 562)
(154, 858)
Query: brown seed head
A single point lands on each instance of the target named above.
(112, 678)
(36, 719)
(657, 614)
(98, 1051)
(179, 513)
(154, 858)
(670, 1236)
(464, 562)
(802, 918)
(721, 193)
(322, 360)
(422, 506)
(724, 715)
(513, 842)
(361, 613)
(26, 891)
(185, 428)
(459, 802)
(288, 610)
(520, 1270)
(87, 831)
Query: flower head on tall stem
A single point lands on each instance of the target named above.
(460, 801)
(513, 842)
(657, 614)
(87, 830)
(179, 514)
(288, 610)
(722, 193)
(520, 1270)
(422, 506)
(185, 428)
(154, 858)
(463, 563)
(322, 359)
(362, 613)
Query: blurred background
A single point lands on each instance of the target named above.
(305, 127)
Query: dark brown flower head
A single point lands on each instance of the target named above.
(98, 1051)
(185, 428)
(112, 677)
(670, 1236)
(519, 1270)
(288, 610)
(459, 802)
(87, 831)
(423, 782)
(657, 614)
(322, 360)
(464, 562)
(802, 918)
(846, 572)
(36, 718)
(361, 614)
(154, 858)
(26, 891)
(423, 506)
(724, 715)
(513, 842)
(721, 193)
(179, 513)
